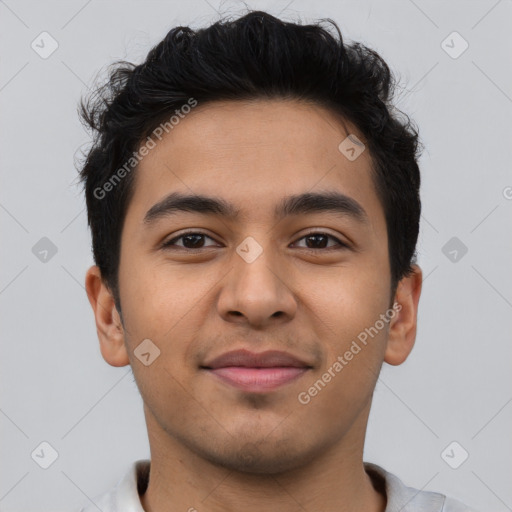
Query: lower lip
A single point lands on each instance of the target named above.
(258, 379)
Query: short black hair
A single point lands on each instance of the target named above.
(255, 56)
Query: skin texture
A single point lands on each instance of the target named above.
(213, 446)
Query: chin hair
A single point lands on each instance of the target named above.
(251, 459)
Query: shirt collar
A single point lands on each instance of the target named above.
(125, 496)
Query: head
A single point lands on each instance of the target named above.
(238, 135)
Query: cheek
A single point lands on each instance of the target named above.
(160, 307)
(351, 299)
(348, 318)
(354, 340)
(164, 304)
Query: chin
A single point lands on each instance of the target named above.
(260, 457)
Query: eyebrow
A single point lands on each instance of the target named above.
(306, 203)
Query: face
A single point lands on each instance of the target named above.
(263, 273)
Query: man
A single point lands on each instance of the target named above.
(254, 207)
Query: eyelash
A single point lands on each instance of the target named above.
(170, 243)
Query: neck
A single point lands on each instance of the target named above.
(181, 480)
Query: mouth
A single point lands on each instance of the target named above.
(257, 373)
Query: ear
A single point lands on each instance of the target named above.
(402, 327)
(108, 322)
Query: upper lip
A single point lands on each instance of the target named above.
(267, 359)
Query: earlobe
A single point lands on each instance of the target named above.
(108, 322)
(402, 330)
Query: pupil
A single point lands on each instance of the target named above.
(316, 237)
(189, 237)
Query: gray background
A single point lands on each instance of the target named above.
(455, 385)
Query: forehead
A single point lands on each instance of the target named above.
(252, 153)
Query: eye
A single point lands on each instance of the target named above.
(191, 240)
(317, 239)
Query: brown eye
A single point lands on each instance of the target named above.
(191, 240)
(194, 240)
(319, 240)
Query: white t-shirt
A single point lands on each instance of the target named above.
(125, 496)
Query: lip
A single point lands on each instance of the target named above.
(257, 372)
(248, 359)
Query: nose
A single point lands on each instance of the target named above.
(257, 290)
